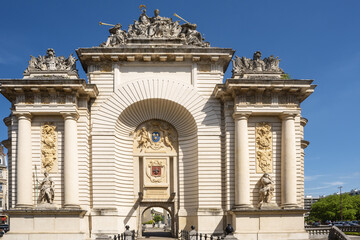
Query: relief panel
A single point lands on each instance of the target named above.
(264, 162)
(155, 137)
(49, 158)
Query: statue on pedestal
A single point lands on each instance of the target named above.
(266, 190)
(47, 190)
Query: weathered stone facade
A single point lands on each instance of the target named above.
(156, 126)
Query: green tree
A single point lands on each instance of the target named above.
(158, 218)
(328, 208)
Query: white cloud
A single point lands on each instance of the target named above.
(351, 176)
(326, 186)
(314, 177)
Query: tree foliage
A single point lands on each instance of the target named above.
(328, 208)
(158, 218)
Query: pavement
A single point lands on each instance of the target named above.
(157, 234)
(354, 237)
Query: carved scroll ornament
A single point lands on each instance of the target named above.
(263, 148)
(49, 147)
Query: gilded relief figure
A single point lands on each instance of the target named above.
(263, 147)
(49, 147)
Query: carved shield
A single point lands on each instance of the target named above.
(155, 136)
(156, 171)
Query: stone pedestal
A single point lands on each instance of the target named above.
(276, 224)
(43, 224)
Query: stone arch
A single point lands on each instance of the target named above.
(131, 92)
(168, 208)
(185, 125)
(120, 113)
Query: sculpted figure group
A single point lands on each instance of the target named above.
(269, 64)
(144, 141)
(155, 27)
(50, 62)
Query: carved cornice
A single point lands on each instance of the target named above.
(270, 92)
(304, 144)
(7, 120)
(146, 54)
(6, 143)
(23, 115)
(70, 115)
(303, 121)
(288, 115)
(30, 91)
(241, 115)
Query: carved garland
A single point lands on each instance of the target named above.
(263, 148)
(49, 147)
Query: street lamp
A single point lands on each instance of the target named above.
(341, 210)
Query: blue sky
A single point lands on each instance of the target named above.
(316, 39)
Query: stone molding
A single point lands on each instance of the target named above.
(36, 212)
(303, 121)
(271, 93)
(256, 211)
(242, 115)
(23, 115)
(288, 115)
(304, 144)
(70, 115)
(159, 54)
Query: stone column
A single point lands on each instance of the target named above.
(288, 161)
(242, 178)
(71, 179)
(24, 162)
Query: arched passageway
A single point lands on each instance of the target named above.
(157, 222)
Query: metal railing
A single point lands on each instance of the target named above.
(122, 236)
